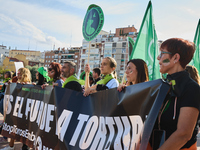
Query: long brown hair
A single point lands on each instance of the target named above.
(57, 68)
(142, 69)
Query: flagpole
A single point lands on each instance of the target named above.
(87, 73)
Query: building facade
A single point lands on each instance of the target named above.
(4, 52)
(30, 55)
(108, 45)
(62, 55)
(130, 31)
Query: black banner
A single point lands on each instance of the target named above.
(58, 118)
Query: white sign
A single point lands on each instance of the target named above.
(18, 65)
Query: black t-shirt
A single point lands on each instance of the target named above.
(73, 85)
(187, 92)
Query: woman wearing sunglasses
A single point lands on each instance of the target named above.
(54, 72)
(179, 114)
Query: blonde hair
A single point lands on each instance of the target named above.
(26, 75)
(113, 64)
(193, 73)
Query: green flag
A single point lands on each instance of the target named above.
(146, 45)
(196, 59)
(93, 22)
(130, 45)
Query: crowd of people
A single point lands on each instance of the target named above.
(179, 114)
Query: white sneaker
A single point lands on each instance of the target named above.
(8, 148)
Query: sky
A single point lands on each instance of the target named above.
(41, 24)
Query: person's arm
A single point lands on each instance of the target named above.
(185, 127)
(58, 83)
(121, 87)
(90, 90)
(87, 72)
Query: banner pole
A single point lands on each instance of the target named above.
(87, 73)
(123, 79)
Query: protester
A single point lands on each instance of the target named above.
(14, 78)
(82, 79)
(108, 80)
(91, 80)
(68, 72)
(24, 77)
(54, 72)
(179, 113)
(136, 72)
(42, 76)
(96, 75)
(7, 78)
(194, 74)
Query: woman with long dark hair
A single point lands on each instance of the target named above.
(136, 72)
(54, 72)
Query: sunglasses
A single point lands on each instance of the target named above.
(162, 52)
(50, 69)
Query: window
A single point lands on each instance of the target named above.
(114, 44)
(123, 56)
(52, 56)
(124, 44)
(114, 50)
(49, 56)
(76, 56)
(123, 50)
